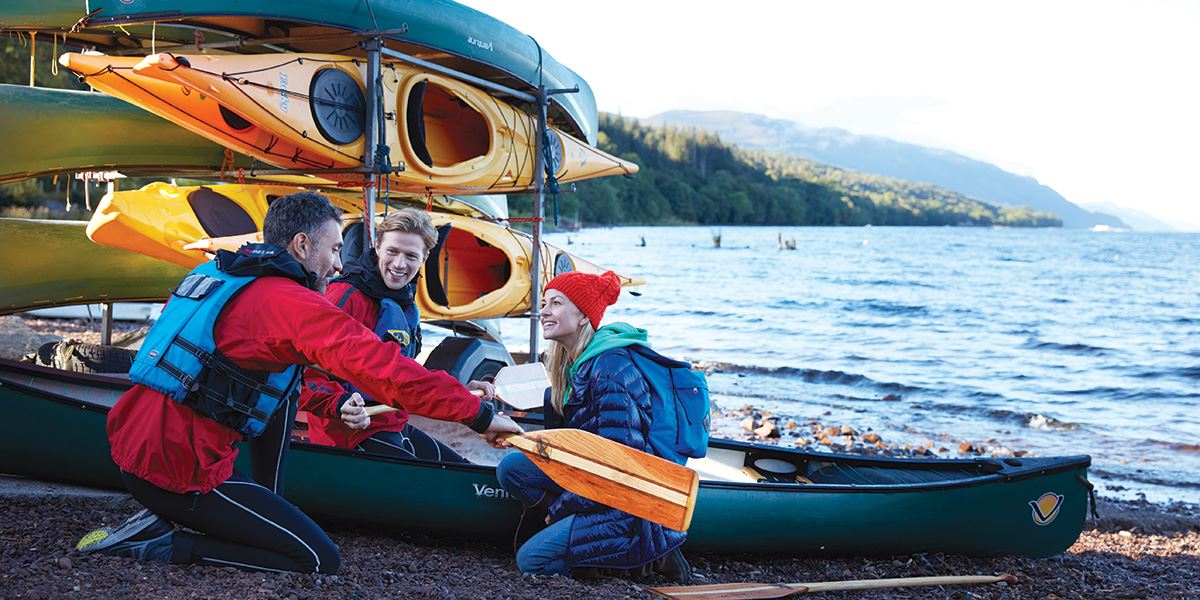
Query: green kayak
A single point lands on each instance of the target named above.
(846, 505)
(440, 31)
(56, 131)
(53, 263)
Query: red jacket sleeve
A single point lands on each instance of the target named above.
(285, 322)
(321, 394)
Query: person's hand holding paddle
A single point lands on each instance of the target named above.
(501, 425)
(354, 413)
(487, 389)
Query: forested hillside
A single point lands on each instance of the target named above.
(691, 176)
(886, 157)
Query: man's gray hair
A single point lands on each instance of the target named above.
(296, 213)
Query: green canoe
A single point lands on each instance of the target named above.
(854, 505)
(53, 263)
(439, 31)
(52, 131)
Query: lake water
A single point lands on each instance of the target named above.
(1051, 341)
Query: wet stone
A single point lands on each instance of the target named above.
(768, 430)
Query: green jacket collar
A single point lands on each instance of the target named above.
(614, 335)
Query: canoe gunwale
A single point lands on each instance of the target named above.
(1033, 467)
(7, 366)
(1035, 470)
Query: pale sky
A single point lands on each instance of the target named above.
(1099, 100)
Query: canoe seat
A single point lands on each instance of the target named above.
(833, 473)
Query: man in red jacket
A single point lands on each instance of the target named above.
(176, 449)
(378, 289)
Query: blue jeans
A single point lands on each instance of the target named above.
(546, 553)
(522, 479)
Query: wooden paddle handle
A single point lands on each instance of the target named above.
(764, 591)
(899, 582)
(379, 409)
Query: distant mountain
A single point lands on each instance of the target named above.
(1136, 219)
(692, 177)
(883, 156)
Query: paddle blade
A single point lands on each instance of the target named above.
(730, 591)
(614, 474)
(522, 386)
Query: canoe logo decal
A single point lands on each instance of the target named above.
(283, 92)
(1045, 508)
(474, 41)
(487, 491)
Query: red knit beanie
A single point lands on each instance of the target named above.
(590, 293)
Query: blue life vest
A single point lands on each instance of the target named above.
(397, 323)
(401, 324)
(180, 359)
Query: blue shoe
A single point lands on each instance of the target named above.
(143, 536)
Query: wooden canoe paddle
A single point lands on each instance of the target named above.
(609, 472)
(756, 591)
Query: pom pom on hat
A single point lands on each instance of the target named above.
(592, 294)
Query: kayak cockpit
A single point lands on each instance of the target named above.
(443, 130)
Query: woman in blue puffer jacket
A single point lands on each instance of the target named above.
(594, 386)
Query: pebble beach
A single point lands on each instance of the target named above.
(1135, 550)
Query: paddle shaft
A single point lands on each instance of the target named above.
(760, 591)
(378, 409)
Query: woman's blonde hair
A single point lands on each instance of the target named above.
(409, 220)
(559, 358)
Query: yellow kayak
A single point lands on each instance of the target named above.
(307, 111)
(479, 270)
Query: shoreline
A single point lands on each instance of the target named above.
(1136, 550)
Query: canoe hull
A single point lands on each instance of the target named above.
(989, 517)
(980, 520)
(69, 131)
(446, 136)
(52, 263)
